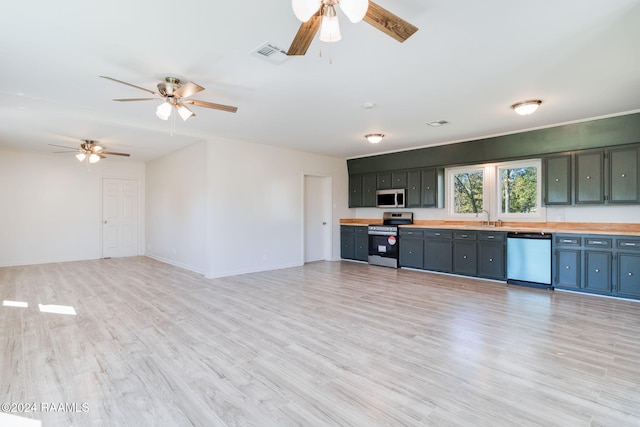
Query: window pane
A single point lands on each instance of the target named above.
(467, 196)
(519, 188)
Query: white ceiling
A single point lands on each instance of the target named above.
(468, 62)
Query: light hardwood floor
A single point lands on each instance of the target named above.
(326, 344)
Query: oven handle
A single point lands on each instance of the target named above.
(383, 233)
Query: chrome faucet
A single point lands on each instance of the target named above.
(482, 221)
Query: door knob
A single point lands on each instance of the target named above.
(105, 221)
(324, 223)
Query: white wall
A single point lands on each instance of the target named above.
(51, 206)
(258, 202)
(228, 207)
(176, 200)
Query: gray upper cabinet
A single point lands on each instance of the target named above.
(414, 187)
(399, 179)
(369, 190)
(355, 191)
(362, 190)
(624, 185)
(384, 181)
(429, 183)
(557, 179)
(589, 177)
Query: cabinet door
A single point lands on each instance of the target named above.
(557, 180)
(429, 181)
(413, 189)
(589, 177)
(412, 253)
(629, 274)
(438, 255)
(465, 257)
(355, 191)
(491, 257)
(384, 181)
(347, 242)
(567, 268)
(361, 251)
(399, 179)
(369, 183)
(597, 271)
(623, 173)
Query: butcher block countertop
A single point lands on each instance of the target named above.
(620, 229)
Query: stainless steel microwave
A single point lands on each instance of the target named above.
(393, 198)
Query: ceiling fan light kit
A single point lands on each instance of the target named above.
(90, 151)
(174, 95)
(330, 27)
(527, 107)
(320, 15)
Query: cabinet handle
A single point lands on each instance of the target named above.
(490, 237)
(629, 244)
(596, 242)
(567, 241)
(490, 259)
(428, 188)
(568, 267)
(413, 188)
(436, 234)
(624, 175)
(465, 257)
(588, 177)
(597, 270)
(630, 274)
(557, 179)
(465, 235)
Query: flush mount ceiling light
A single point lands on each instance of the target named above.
(437, 123)
(527, 107)
(374, 138)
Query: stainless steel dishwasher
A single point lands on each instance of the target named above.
(529, 259)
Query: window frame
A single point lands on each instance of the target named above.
(491, 192)
(538, 215)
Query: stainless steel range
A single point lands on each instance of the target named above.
(384, 241)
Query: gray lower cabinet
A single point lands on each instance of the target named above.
(354, 242)
(603, 264)
(492, 254)
(465, 258)
(438, 250)
(411, 248)
(627, 262)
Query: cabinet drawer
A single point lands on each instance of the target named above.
(596, 242)
(347, 229)
(359, 230)
(492, 237)
(411, 232)
(438, 234)
(464, 235)
(628, 243)
(568, 241)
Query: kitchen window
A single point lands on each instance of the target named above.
(507, 191)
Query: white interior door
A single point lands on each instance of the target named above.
(317, 218)
(120, 218)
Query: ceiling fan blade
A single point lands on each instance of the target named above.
(136, 99)
(69, 151)
(129, 84)
(187, 90)
(389, 23)
(205, 104)
(115, 154)
(305, 35)
(64, 146)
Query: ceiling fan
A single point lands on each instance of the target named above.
(174, 94)
(321, 15)
(89, 150)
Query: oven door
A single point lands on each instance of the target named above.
(383, 250)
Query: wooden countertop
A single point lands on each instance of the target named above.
(620, 229)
